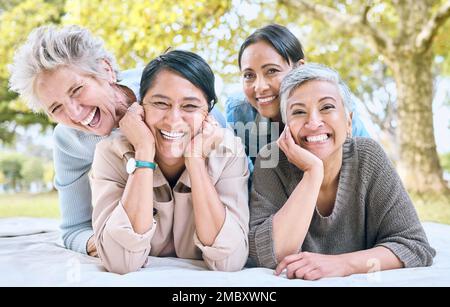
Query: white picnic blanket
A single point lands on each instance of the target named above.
(31, 254)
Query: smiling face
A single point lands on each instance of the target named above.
(80, 101)
(317, 119)
(262, 70)
(174, 112)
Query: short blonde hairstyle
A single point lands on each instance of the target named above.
(48, 48)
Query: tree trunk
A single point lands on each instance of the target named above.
(418, 165)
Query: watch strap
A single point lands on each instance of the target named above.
(140, 164)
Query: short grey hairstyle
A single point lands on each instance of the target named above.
(309, 72)
(48, 48)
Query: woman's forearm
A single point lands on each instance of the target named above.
(291, 222)
(371, 260)
(209, 212)
(137, 198)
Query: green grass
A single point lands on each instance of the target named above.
(430, 208)
(24, 204)
(434, 208)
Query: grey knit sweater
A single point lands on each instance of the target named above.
(371, 209)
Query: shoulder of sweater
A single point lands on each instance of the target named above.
(66, 137)
(369, 149)
(371, 157)
(271, 151)
(65, 132)
(274, 176)
(272, 159)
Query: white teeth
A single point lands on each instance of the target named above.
(267, 99)
(317, 138)
(89, 118)
(171, 135)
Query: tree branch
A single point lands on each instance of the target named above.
(346, 22)
(426, 36)
(365, 13)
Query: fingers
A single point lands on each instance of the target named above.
(314, 274)
(302, 271)
(289, 138)
(286, 141)
(213, 134)
(91, 248)
(207, 124)
(299, 266)
(210, 126)
(212, 121)
(205, 114)
(134, 127)
(135, 116)
(136, 109)
(94, 254)
(286, 261)
(207, 138)
(281, 142)
(296, 266)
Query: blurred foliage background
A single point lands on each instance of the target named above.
(366, 41)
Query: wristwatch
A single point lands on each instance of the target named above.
(133, 164)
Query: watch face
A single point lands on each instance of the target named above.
(131, 166)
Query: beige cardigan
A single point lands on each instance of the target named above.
(173, 232)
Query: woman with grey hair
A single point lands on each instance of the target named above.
(333, 205)
(68, 74)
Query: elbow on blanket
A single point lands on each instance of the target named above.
(424, 257)
(122, 267)
(228, 265)
(234, 260)
(76, 239)
(418, 254)
(262, 258)
(123, 262)
(118, 257)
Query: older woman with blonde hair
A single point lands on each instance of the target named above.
(331, 205)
